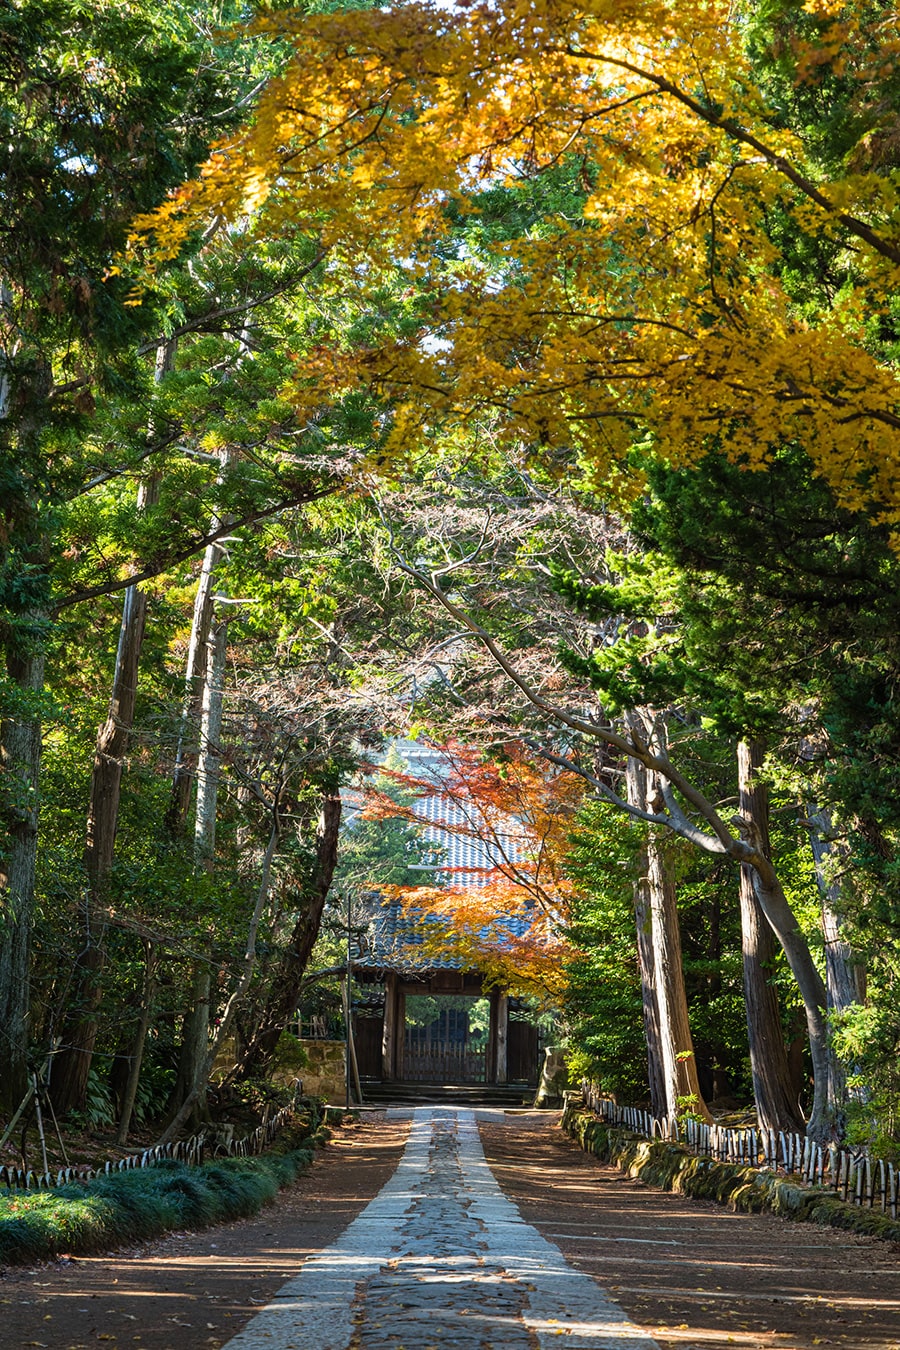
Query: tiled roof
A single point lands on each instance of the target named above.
(395, 940)
(465, 860)
(395, 937)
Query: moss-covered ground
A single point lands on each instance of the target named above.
(671, 1167)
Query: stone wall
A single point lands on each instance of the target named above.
(325, 1071)
(320, 1066)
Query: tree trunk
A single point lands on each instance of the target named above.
(114, 734)
(140, 1040)
(189, 1085)
(281, 1003)
(671, 1063)
(643, 918)
(636, 783)
(185, 754)
(69, 1078)
(20, 758)
(71, 1067)
(777, 1107)
(195, 670)
(210, 759)
(679, 1061)
(774, 905)
(845, 981)
(229, 1013)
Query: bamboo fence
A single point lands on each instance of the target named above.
(849, 1173)
(192, 1151)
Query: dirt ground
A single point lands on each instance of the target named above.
(194, 1291)
(695, 1275)
(692, 1273)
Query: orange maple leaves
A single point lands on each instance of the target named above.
(505, 913)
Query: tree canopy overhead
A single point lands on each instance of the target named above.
(525, 375)
(656, 303)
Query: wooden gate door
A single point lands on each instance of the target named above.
(442, 1050)
(368, 1032)
(522, 1052)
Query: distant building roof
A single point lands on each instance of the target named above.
(396, 938)
(394, 941)
(471, 849)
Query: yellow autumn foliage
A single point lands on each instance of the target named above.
(656, 312)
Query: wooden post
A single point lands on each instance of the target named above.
(400, 1036)
(389, 1032)
(490, 1059)
(502, 1037)
(352, 1065)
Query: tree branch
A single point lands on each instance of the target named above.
(197, 545)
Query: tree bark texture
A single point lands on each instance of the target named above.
(679, 1061)
(195, 673)
(774, 904)
(845, 979)
(186, 753)
(194, 1045)
(189, 1094)
(114, 734)
(72, 1065)
(636, 784)
(210, 758)
(284, 992)
(777, 1107)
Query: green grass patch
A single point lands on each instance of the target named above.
(128, 1206)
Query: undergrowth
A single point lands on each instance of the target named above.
(128, 1206)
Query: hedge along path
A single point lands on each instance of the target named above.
(143, 1201)
(192, 1151)
(672, 1167)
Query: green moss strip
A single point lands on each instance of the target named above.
(670, 1167)
(129, 1206)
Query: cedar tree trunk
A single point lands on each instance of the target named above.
(636, 781)
(72, 1065)
(284, 993)
(845, 979)
(679, 1060)
(776, 1103)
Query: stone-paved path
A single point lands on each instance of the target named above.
(440, 1258)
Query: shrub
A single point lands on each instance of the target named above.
(125, 1206)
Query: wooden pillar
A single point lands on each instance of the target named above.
(389, 1031)
(400, 1036)
(502, 1060)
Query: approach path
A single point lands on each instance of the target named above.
(441, 1258)
(691, 1275)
